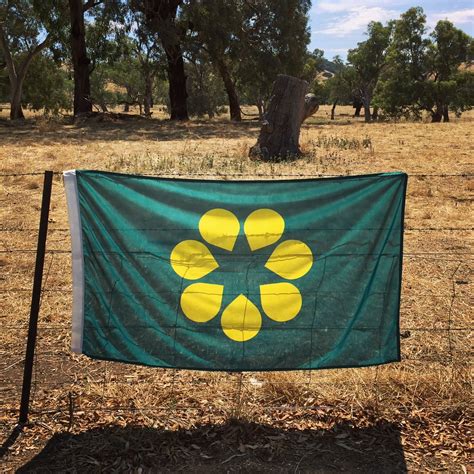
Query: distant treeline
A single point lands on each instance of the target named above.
(203, 57)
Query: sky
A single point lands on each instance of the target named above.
(338, 25)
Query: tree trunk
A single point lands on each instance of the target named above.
(375, 113)
(279, 135)
(445, 113)
(333, 109)
(80, 61)
(16, 74)
(126, 107)
(147, 100)
(260, 109)
(16, 112)
(177, 82)
(234, 105)
(367, 116)
(436, 116)
(358, 107)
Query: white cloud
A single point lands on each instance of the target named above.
(337, 6)
(459, 17)
(356, 20)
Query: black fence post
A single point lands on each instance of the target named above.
(35, 297)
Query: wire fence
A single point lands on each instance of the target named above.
(435, 331)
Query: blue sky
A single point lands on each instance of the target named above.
(337, 25)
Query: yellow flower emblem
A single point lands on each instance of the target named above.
(241, 320)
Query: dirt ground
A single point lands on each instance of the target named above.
(92, 416)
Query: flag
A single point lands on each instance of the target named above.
(236, 275)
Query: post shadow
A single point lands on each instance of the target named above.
(230, 447)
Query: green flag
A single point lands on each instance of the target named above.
(237, 275)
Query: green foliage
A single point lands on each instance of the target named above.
(47, 86)
(423, 73)
(368, 61)
(205, 89)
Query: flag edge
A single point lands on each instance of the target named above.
(72, 198)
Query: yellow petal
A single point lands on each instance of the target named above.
(263, 227)
(291, 259)
(219, 227)
(280, 301)
(191, 259)
(200, 302)
(241, 320)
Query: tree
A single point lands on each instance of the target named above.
(450, 49)
(142, 44)
(276, 36)
(27, 27)
(368, 60)
(422, 73)
(47, 86)
(161, 17)
(89, 44)
(217, 30)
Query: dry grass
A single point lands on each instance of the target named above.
(425, 399)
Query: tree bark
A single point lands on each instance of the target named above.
(333, 109)
(445, 113)
(234, 105)
(80, 61)
(366, 104)
(279, 135)
(160, 15)
(177, 82)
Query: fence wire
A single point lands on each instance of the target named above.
(70, 385)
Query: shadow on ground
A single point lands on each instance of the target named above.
(232, 447)
(131, 129)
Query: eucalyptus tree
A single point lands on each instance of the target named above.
(276, 39)
(27, 27)
(162, 18)
(423, 72)
(216, 31)
(368, 61)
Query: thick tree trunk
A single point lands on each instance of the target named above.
(234, 105)
(16, 112)
(279, 135)
(126, 107)
(80, 61)
(177, 82)
(333, 109)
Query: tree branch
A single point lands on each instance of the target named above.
(38, 48)
(8, 57)
(91, 4)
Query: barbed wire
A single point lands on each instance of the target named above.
(182, 174)
(71, 370)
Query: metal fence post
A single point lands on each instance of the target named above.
(35, 297)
